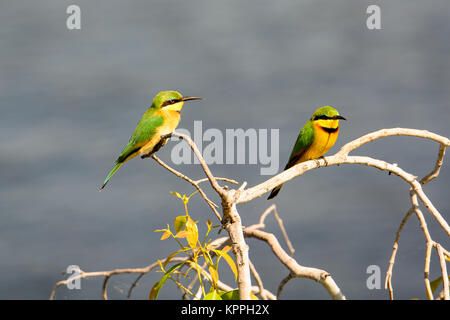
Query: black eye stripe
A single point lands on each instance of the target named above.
(322, 117)
(325, 117)
(169, 102)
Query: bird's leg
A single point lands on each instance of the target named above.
(325, 160)
(162, 141)
(318, 162)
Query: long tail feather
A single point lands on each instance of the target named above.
(274, 192)
(110, 174)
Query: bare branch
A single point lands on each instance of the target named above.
(234, 228)
(283, 283)
(273, 209)
(437, 167)
(257, 191)
(211, 204)
(108, 274)
(321, 276)
(444, 271)
(347, 148)
(388, 280)
(205, 167)
(339, 158)
(258, 280)
(231, 220)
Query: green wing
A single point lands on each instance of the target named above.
(304, 140)
(144, 131)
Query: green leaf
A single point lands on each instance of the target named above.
(179, 223)
(226, 248)
(154, 292)
(230, 295)
(182, 234)
(165, 235)
(170, 257)
(213, 295)
(213, 272)
(229, 260)
(176, 194)
(192, 230)
(253, 297)
(436, 283)
(234, 295)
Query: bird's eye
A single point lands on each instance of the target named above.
(171, 101)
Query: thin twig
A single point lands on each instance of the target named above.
(388, 279)
(283, 283)
(232, 221)
(258, 280)
(321, 276)
(205, 167)
(437, 167)
(273, 209)
(107, 274)
(211, 204)
(444, 271)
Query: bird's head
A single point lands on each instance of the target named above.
(171, 100)
(327, 118)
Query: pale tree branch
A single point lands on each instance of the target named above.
(388, 280)
(342, 157)
(205, 167)
(339, 158)
(211, 204)
(231, 219)
(437, 168)
(108, 274)
(321, 276)
(231, 222)
(273, 209)
(258, 280)
(443, 269)
(423, 225)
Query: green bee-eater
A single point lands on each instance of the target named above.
(152, 131)
(317, 136)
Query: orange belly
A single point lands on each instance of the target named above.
(323, 141)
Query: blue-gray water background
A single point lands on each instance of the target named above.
(69, 101)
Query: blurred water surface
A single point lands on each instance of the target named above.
(69, 101)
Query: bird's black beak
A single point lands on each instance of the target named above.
(188, 98)
(340, 117)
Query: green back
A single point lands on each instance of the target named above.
(144, 131)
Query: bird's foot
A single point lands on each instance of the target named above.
(162, 141)
(325, 160)
(148, 155)
(318, 161)
(166, 136)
